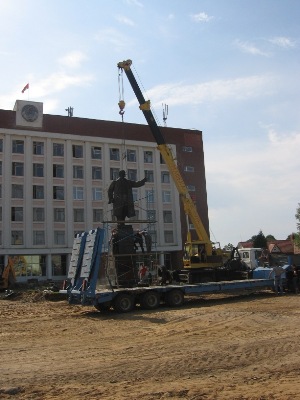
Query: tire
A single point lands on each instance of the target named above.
(174, 298)
(123, 303)
(103, 307)
(150, 300)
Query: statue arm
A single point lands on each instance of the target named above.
(111, 192)
(138, 183)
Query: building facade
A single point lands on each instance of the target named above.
(54, 175)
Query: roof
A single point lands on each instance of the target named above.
(274, 246)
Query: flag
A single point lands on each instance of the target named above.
(25, 87)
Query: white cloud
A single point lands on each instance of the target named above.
(252, 184)
(201, 17)
(247, 47)
(113, 38)
(73, 59)
(283, 42)
(124, 20)
(134, 3)
(237, 89)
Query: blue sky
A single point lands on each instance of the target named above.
(229, 68)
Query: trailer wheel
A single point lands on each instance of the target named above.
(174, 298)
(123, 303)
(150, 300)
(103, 307)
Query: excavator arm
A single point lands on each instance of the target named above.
(189, 206)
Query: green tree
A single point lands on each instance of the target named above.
(270, 238)
(259, 240)
(297, 235)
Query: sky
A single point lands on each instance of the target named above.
(229, 68)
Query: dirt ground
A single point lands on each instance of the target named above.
(218, 347)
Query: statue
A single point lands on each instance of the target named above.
(120, 195)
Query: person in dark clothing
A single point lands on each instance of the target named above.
(138, 240)
(120, 195)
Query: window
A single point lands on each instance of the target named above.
(187, 149)
(58, 193)
(168, 218)
(191, 188)
(97, 215)
(0, 167)
(132, 174)
(169, 237)
(17, 169)
(77, 151)
(166, 196)
(188, 168)
(58, 171)
(165, 177)
(59, 215)
(59, 238)
(18, 146)
(1, 145)
(162, 161)
(114, 154)
(17, 191)
(131, 155)
(151, 215)
(34, 265)
(150, 196)
(38, 238)
(96, 153)
(38, 214)
(148, 156)
(0, 213)
(17, 213)
(17, 237)
(37, 192)
(38, 170)
(78, 214)
(114, 174)
(59, 264)
(135, 194)
(77, 193)
(96, 173)
(58, 149)
(97, 194)
(38, 148)
(77, 171)
(149, 174)
(0, 191)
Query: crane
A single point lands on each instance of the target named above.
(200, 254)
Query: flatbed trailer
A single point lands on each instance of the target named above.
(83, 274)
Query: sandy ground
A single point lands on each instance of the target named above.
(217, 347)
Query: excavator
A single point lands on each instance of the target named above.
(203, 260)
(7, 276)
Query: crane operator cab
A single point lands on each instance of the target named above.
(198, 255)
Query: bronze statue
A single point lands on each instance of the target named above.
(120, 195)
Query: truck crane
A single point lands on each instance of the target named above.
(201, 257)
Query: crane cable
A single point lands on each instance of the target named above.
(121, 112)
(121, 93)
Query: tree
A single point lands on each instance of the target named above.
(270, 238)
(296, 236)
(228, 247)
(259, 240)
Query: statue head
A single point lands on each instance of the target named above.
(122, 173)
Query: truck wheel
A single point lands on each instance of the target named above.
(103, 307)
(174, 298)
(150, 300)
(123, 303)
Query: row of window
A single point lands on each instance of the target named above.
(59, 237)
(78, 172)
(38, 193)
(58, 150)
(17, 214)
